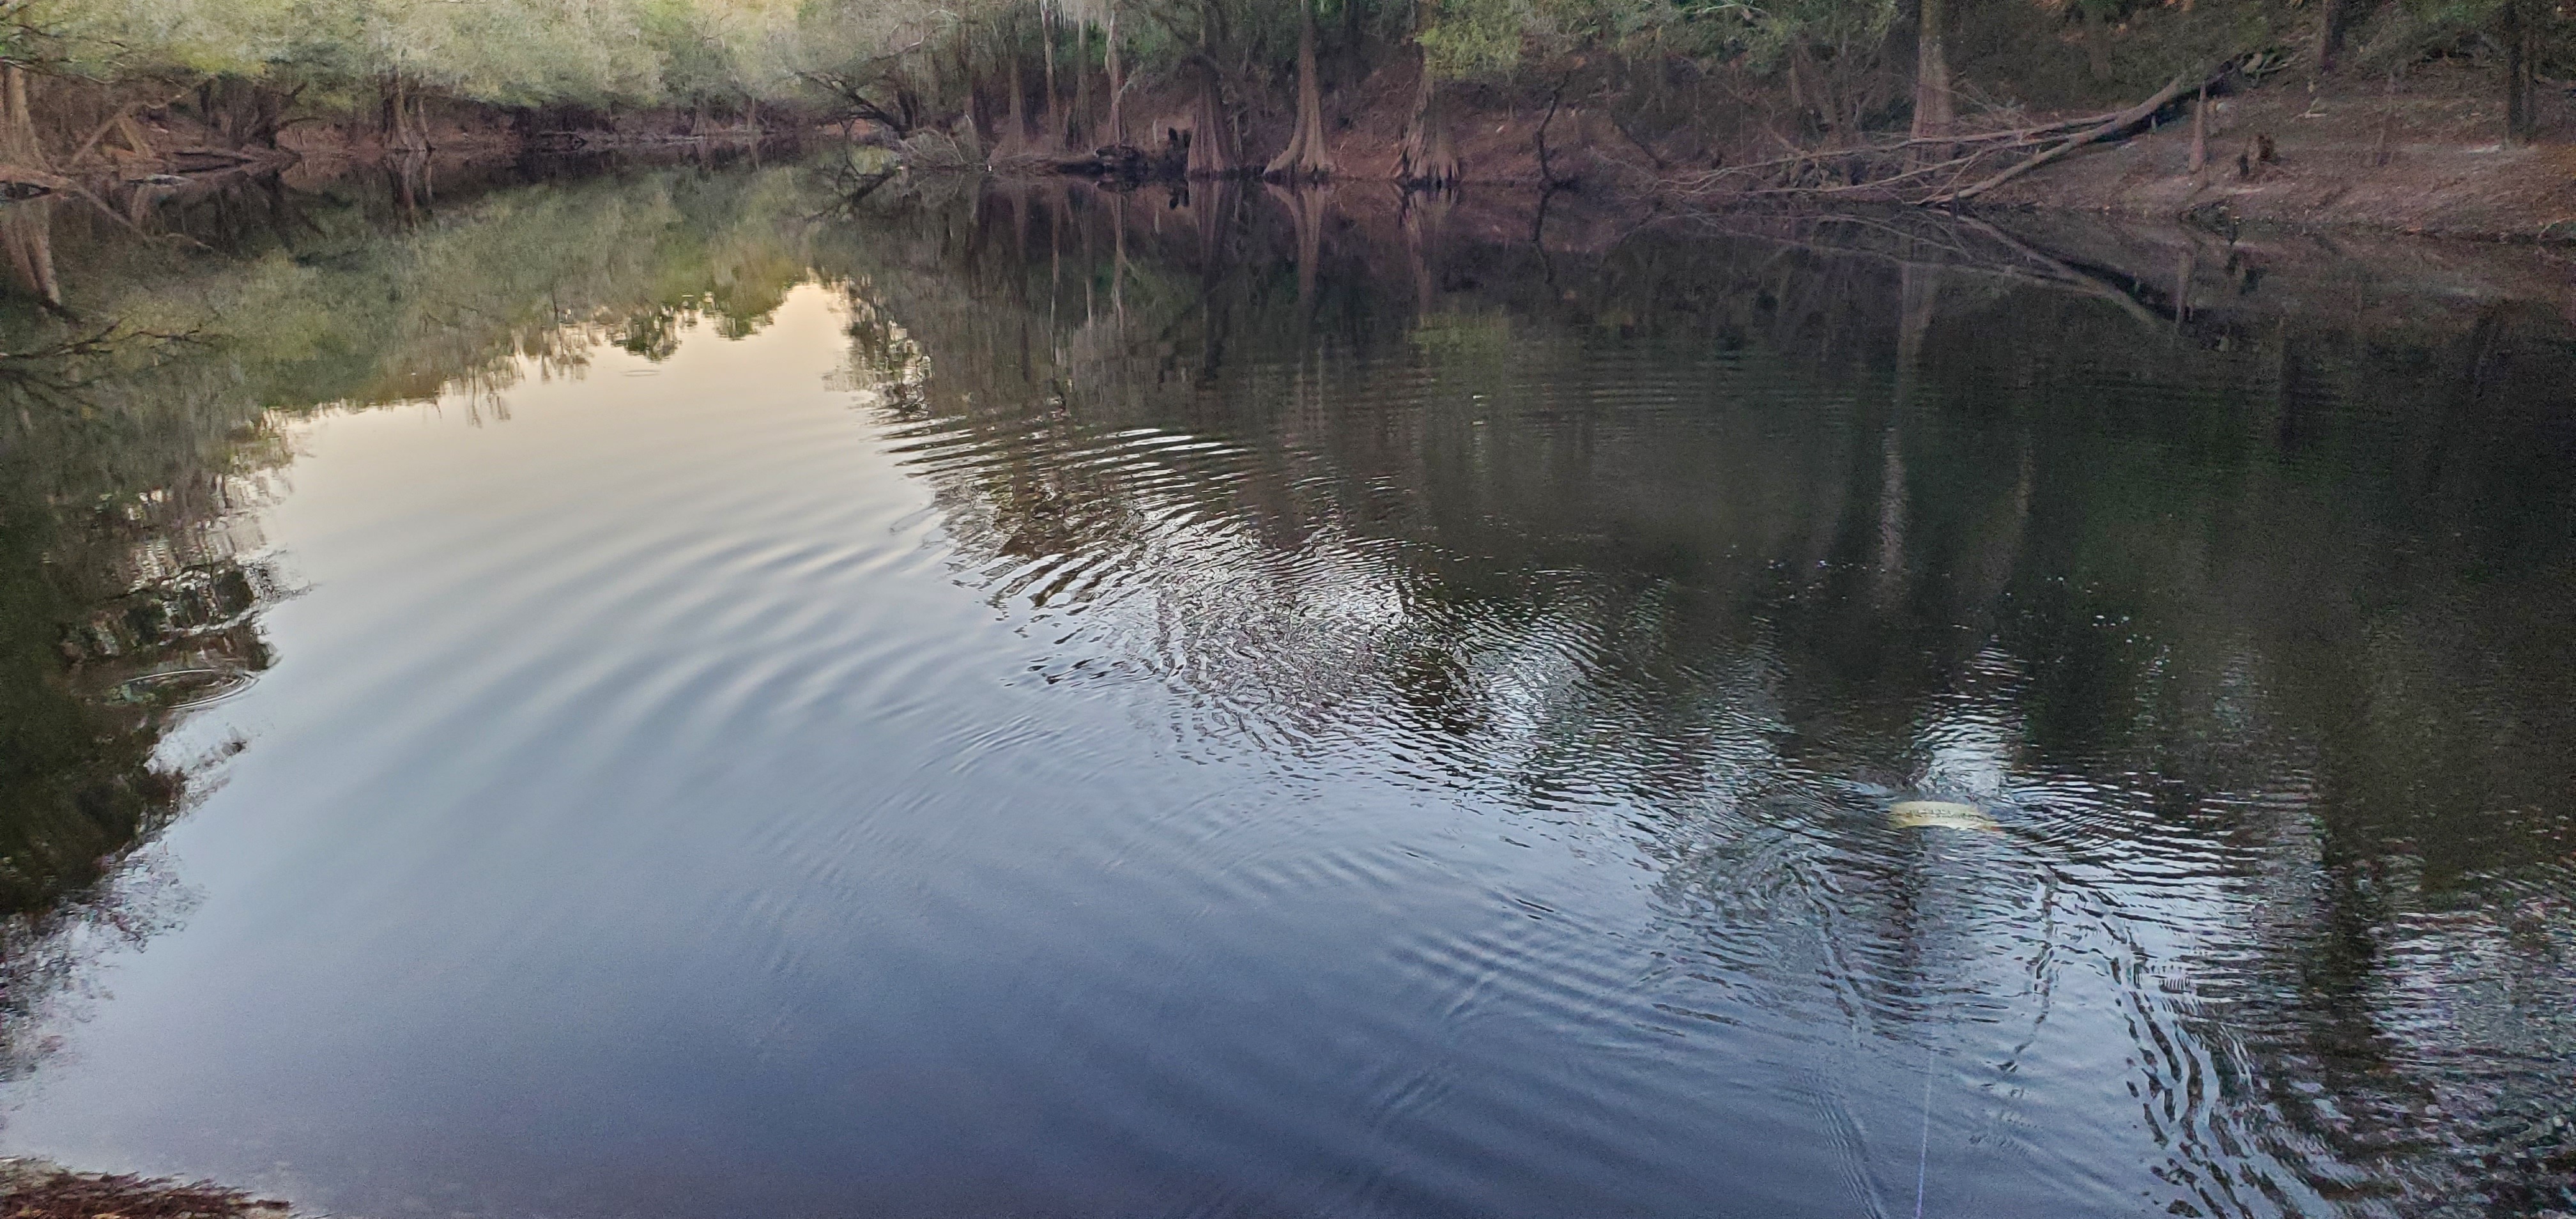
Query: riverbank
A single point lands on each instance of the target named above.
(2425, 160)
(36, 1189)
(2422, 154)
(2419, 153)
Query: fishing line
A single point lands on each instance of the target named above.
(1923, 1155)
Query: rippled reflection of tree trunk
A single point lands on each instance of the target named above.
(1214, 202)
(1919, 297)
(2186, 266)
(1020, 204)
(1306, 207)
(27, 230)
(1118, 265)
(410, 173)
(1056, 209)
(1090, 262)
(1425, 214)
(19, 146)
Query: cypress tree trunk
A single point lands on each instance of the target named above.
(1306, 210)
(1934, 109)
(2097, 44)
(1426, 157)
(1307, 158)
(1054, 112)
(1117, 85)
(1077, 127)
(1212, 153)
(2200, 132)
(2330, 23)
(979, 115)
(2520, 35)
(1015, 121)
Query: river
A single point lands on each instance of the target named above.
(695, 690)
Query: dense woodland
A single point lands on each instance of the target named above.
(1248, 84)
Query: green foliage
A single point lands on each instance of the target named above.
(1488, 38)
(931, 60)
(506, 52)
(1471, 38)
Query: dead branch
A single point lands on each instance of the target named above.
(1980, 142)
(123, 113)
(2115, 125)
(1970, 164)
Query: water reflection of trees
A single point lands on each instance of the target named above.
(152, 378)
(1700, 543)
(2244, 606)
(98, 610)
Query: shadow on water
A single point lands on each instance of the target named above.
(2226, 577)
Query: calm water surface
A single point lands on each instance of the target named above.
(705, 699)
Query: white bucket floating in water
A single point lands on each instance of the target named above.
(1939, 815)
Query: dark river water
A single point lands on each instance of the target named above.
(685, 692)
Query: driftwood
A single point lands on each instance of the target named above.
(1935, 169)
